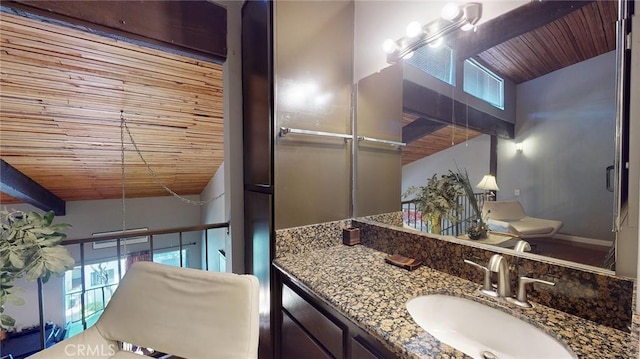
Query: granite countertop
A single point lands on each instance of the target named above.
(359, 284)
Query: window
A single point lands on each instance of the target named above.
(102, 277)
(171, 258)
(435, 61)
(101, 281)
(483, 84)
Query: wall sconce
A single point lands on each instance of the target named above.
(453, 17)
(519, 147)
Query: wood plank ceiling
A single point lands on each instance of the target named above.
(576, 37)
(62, 94)
(437, 141)
(585, 33)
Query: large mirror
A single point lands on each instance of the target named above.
(529, 97)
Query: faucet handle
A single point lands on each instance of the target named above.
(521, 298)
(487, 288)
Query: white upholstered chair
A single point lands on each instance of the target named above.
(185, 312)
(509, 216)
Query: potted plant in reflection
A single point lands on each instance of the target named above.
(478, 228)
(437, 200)
(30, 247)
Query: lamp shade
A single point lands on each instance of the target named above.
(488, 183)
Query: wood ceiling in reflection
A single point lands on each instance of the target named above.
(576, 37)
(582, 34)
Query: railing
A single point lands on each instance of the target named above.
(98, 295)
(464, 218)
(144, 251)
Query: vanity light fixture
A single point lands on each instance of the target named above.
(453, 17)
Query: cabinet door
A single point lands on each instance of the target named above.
(361, 350)
(296, 344)
(325, 331)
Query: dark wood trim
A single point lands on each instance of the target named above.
(418, 129)
(493, 156)
(514, 23)
(104, 237)
(195, 27)
(437, 107)
(16, 184)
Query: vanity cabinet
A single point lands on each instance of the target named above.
(312, 328)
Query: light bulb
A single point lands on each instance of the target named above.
(414, 29)
(389, 46)
(450, 11)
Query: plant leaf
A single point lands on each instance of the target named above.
(36, 271)
(7, 321)
(57, 259)
(15, 260)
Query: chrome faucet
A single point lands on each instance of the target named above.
(521, 298)
(487, 287)
(522, 246)
(497, 264)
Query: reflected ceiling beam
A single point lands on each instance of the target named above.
(419, 128)
(435, 106)
(16, 184)
(514, 23)
(197, 28)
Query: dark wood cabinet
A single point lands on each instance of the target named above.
(297, 343)
(360, 349)
(323, 329)
(311, 328)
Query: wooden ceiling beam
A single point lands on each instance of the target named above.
(514, 23)
(188, 27)
(437, 107)
(418, 129)
(15, 184)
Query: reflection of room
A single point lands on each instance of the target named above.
(556, 148)
(564, 123)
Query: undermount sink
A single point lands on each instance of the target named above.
(481, 331)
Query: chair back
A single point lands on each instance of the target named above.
(502, 210)
(184, 312)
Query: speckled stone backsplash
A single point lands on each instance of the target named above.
(392, 219)
(599, 297)
(298, 240)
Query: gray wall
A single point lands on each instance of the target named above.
(566, 122)
(472, 155)
(313, 46)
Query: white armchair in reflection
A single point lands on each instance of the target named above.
(184, 312)
(509, 216)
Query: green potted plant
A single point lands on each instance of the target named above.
(478, 229)
(437, 200)
(30, 247)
